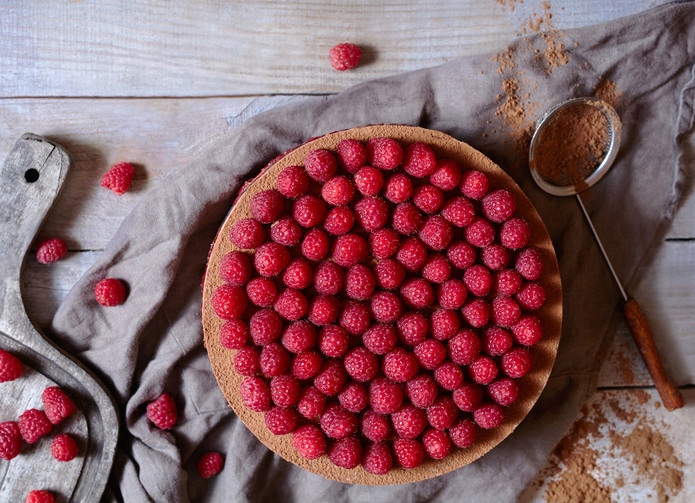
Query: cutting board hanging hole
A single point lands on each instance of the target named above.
(31, 175)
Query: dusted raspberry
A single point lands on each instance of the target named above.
(247, 233)
(247, 361)
(406, 219)
(422, 390)
(262, 291)
(459, 211)
(409, 421)
(474, 184)
(476, 312)
(274, 360)
(447, 175)
(355, 317)
(352, 155)
(442, 414)
(437, 269)
(377, 459)
(517, 362)
(10, 440)
(430, 353)
(331, 379)
(210, 464)
(298, 274)
(384, 243)
(468, 396)
(118, 178)
(386, 307)
(374, 426)
(265, 326)
(306, 365)
(311, 402)
(452, 294)
(413, 328)
(389, 274)
(359, 282)
(412, 254)
(496, 341)
(299, 336)
(349, 249)
(483, 370)
(419, 160)
(380, 338)
(417, 293)
(528, 331)
(428, 198)
(281, 421)
(369, 181)
(437, 443)
(515, 233)
(400, 365)
(384, 153)
(291, 304)
(409, 452)
(346, 452)
(462, 433)
(361, 364)
(10, 367)
(529, 263)
(399, 188)
(333, 341)
(336, 422)
(51, 250)
(495, 257)
(499, 205)
(324, 310)
(505, 312)
(271, 259)
(506, 282)
(449, 376)
(488, 416)
(444, 323)
(338, 191)
(385, 396)
(328, 278)
(345, 56)
(40, 497)
(531, 296)
(480, 233)
(309, 210)
(372, 213)
(316, 245)
(461, 254)
(235, 268)
(293, 182)
(339, 220)
(162, 412)
(504, 391)
(255, 393)
(309, 441)
(267, 206)
(64, 447)
(354, 397)
(436, 233)
(464, 347)
(229, 301)
(320, 165)
(110, 292)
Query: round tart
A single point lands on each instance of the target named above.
(385, 337)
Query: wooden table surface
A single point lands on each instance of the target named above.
(144, 81)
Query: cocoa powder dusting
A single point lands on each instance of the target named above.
(608, 91)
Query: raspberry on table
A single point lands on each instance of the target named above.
(285, 231)
(271, 259)
(284, 390)
(412, 254)
(298, 274)
(324, 310)
(417, 293)
(517, 362)
(476, 312)
(474, 184)
(528, 331)
(291, 304)
(247, 361)
(209, 464)
(262, 292)
(281, 420)
(449, 376)
(436, 443)
(380, 338)
(488, 416)
(355, 317)
(409, 452)
(255, 393)
(428, 198)
(51, 250)
(371, 213)
(337, 422)
(309, 210)
(461, 254)
(359, 282)
(384, 243)
(309, 441)
(452, 294)
(361, 364)
(267, 206)
(406, 219)
(333, 341)
(515, 233)
(235, 268)
(299, 336)
(64, 447)
(311, 402)
(247, 234)
(459, 211)
(37, 496)
(495, 257)
(464, 347)
(444, 323)
(496, 341)
(339, 220)
(57, 404)
(483, 370)
(265, 326)
(436, 233)
(349, 249)
(274, 360)
(419, 160)
(10, 366)
(328, 278)
(385, 396)
(110, 292)
(400, 365)
(430, 353)
(462, 433)
(229, 301)
(354, 397)
(468, 396)
(331, 379)
(384, 153)
(413, 328)
(437, 269)
(442, 413)
(306, 365)
(338, 191)
(505, 311)
(118, 178)
(409, 421)
(504, 391)
(320, 164)
(345, 56)
(377, 458)
(293, 182)
(529, 263)
(531, 296)
(399, 188)
(389, 274)
(369, 181)
(346, 452)
(506, 282)
(498, 205)
(352, 155)
(10, 440)
(386, 307)
(422, 390)
(162, 411)
(374, 426)
(480, 233)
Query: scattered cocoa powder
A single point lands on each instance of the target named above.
(508, 4)
(608, 91)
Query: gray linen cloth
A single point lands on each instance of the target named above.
(153, 342)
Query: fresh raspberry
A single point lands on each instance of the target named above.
(515, 233)
(299, 336)
(468, 396)
(324, 310)
(447, 175)
(359, 282)
(265, 326)
(498, 205)
(293, 181)
(380, 338)
(247, 361)
(428, 198)
(437, 269)
(517, 362)
(271, 259)
(430, 353)
(284, 390)
(506, 282)
(352, 155)
(419, 160)
(474, 184)
(306, 365)
(10, 440)
(331, 379)
(409, 452)
(384, 153)
(377, 459)
(110, 292)
(247, 233)
(229, 301)
(505, 312)
(320, 165)
(267, 206)
(531, 296)
(274, 360)
(162, 412)
(210, 464)
(421, 390)
(339, 220)
(298, 274)
(462, 433)
(452, 294)
(328, 278)
(412, 254)
(346, 452)
(385, 396)
(496, 341)
(349, 249)
(235, 268)
(413, 328)
(361, 364)
(504, 391)
(354, 397)
(369, 181)
(386, 307)
(409, 421)
(389, 274)
(291, 304)
(64, 447)
(476, 312)
(345, 56)
(528, 331)
(406, 219)
(437, 443)
(40, 497)
(384, 243)
(374, 426)
(436, 233)
(483, 370)
(309, 210)
(336, 422)
(464, 347)
(495, 257)
(262, 292)
(311, 402)
(338, 191)
(529, 263)
(461, 254)
(118, 178)
(51, 250)
(488, 416)
(280, 420)
(355, 317)
(459, 211)
(333, 340)
(449, 376)
(10, 367)
(444, 323)
(371, 213)
(57, 404)
(442, 414)
(480, 233)
(417, 293)
(309, 441)
(255, 393)
(399, 188)
(400, 365)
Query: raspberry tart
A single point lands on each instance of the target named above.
(382, 305)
